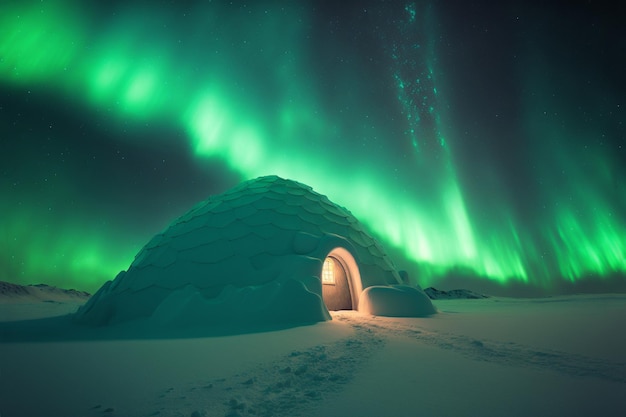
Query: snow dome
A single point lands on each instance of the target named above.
(270, 251)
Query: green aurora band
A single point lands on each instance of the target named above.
(201, 81)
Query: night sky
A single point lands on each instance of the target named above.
(484, 143)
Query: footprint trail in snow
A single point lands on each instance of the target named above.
(293, 384)
(286, 386)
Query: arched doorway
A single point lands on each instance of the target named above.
(340, 281)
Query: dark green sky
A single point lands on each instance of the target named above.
(473, 140)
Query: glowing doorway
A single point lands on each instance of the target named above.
(340, 281)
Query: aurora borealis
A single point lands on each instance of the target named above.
(475, 141)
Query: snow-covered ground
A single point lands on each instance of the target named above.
(560, 356)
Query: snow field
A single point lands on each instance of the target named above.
(491, 357)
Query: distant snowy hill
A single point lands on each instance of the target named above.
(436, 294)
(10, 292)
(41, 292)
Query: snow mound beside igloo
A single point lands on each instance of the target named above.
(395, 301)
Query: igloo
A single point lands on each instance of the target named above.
(268, 252)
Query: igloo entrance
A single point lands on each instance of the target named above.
(341, 281)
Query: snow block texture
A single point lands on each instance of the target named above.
(252, 255)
